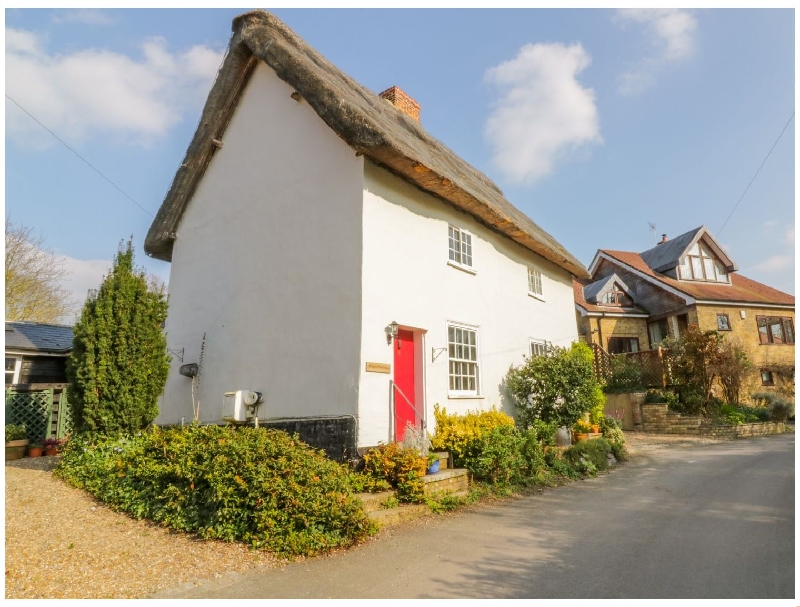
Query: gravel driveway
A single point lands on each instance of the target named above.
(60, 543)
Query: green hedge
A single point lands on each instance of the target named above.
(258, 486)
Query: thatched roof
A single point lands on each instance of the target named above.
(370, 125)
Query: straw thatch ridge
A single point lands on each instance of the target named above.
(368, 124)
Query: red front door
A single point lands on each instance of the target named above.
(404, 412)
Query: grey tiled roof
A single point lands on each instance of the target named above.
(591, 290)
(667, 255)
(38, 337)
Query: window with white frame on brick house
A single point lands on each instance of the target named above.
(723, 322)
(462, 350)
(534, 282)
(775, 330)
(460, 247)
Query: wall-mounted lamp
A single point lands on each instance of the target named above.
(391, 332)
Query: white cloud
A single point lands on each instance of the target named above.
(99, 92)
(775, 263)
(542, 112)
(788, 238)
(673, 38)
(81, 276)
(88, 16)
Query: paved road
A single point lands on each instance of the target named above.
(712, 521)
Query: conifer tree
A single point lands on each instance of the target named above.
(119, 361)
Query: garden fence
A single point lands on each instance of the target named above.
(44, 410)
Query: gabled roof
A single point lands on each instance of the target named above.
(740, 289)
(368, 124)
(591, 290)
(667, 255)
(38, 337)
(578, 286)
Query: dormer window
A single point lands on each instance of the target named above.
(616, 297)
(700, 264)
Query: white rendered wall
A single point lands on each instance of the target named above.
(267, 263)
(406, 279)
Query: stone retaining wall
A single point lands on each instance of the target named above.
(657, 419)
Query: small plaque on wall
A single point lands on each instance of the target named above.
(379, 368)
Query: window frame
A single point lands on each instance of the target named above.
(727, 321)
(626, 337)
(463, 239)
(452, 392)
(16, 371)
(535, 273)
(785, 322)
(539, 343)
(703, 255)
(767, 382)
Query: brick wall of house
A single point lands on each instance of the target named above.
(615, 327)
(746, 331)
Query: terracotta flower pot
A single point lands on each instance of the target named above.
(34, 452)
(579, 436)
(596, 428)
(50, 451)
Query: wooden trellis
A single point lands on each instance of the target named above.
(44, 411)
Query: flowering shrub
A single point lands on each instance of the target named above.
(402, 467)
(559, 386)
(461, 434)
(259, 486)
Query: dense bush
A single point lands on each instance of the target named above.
(460, 435)
(496, 456)
(119, 362)
(403, 468)
(779, 408)
(589, 456)
(258, 486)
(557, 387)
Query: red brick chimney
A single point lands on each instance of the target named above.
(401, 101)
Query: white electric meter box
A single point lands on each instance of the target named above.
(234, 408)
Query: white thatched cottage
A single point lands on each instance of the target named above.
(340, 260)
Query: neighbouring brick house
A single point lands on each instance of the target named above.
(633, 301)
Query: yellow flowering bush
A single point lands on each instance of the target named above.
(460, 435)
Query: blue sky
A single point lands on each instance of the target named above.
(593, 122)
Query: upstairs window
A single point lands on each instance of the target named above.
(460, 243)
(616, 297)
(534, 282)
(775, 330)
(700, 264)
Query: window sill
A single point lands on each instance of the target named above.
(461, 267)
(791, 344)
(535, 296)
(464, 396)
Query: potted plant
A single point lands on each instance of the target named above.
(16, 441)
(35, 448)
(581, 429)
(51, 446)
(433, 463)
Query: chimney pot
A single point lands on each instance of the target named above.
(398, 98)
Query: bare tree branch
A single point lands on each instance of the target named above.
(34, 277)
